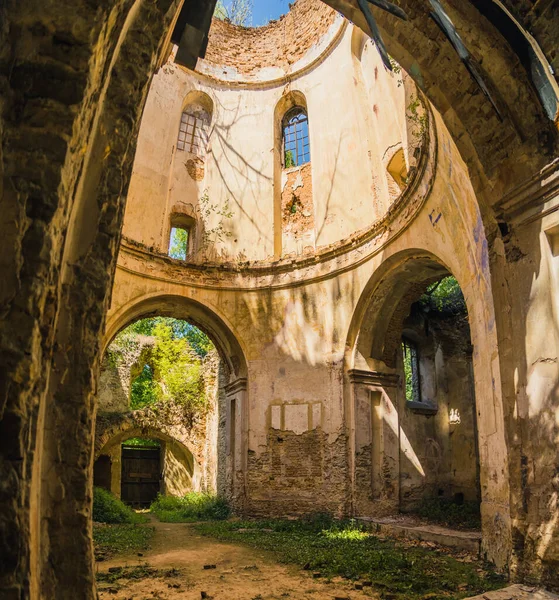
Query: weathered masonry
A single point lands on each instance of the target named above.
(323, 198)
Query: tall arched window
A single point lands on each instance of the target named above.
(194, 130)
(296, 148)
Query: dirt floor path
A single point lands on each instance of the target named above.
(179, 554)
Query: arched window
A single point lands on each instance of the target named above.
(411, 370)
(194, 130)
(296, 148)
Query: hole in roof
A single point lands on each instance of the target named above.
(251, 13)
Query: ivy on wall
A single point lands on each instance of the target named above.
(162, 359)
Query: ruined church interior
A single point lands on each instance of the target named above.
(279, 301)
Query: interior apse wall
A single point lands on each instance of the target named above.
(239, 172)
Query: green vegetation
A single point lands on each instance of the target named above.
(218, 233)
(346, 549)
(178, 245)
(108, 509)
(142, 443)
(197, 339)
(116, 527)
(411, 371)
(110, 540)
(165, 357)
(444, 296)
(289, 161)
(192, 507)
(451, 514)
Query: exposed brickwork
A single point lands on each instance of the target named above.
(297, 210)
(298, 474)
(278, 44)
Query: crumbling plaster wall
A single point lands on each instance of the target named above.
(294, 326)
(447, 452)
(241, 161)
(530, 222)
(116, 423)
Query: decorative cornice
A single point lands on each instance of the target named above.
(239, 385)
(376, 378)
(328, 262)
(522, 205)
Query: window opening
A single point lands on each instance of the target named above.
(193, 133)
(296, 147)
(398, 170)
(178, 243)
(411, 371)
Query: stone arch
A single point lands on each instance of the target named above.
(523, 136)
(206, 319)
(373, 339)
(70, 309)
(231, 415)
(88, 103)
(111, 434)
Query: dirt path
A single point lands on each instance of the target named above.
(240, 573)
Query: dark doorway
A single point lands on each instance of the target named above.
(141, 475)
(102, 472)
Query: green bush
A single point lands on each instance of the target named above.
(450, 513)
(195, 506)
(108, 509)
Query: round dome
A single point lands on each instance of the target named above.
(272, 51)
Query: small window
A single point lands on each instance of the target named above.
(178, 243)
(398, 170)
(193, 132)
(296, 148)
(411, 371)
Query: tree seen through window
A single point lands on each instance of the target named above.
(296, 146)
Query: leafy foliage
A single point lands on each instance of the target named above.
(194, 506)
(163, 359)
(444, 296)
(289, 161)
(197, 339)
(142, 443)
(345, 548)
(239, 12)
(177, 370)
(144, 391)
(411, 371)
(417, 115)
(108, 509)
(178, 245)
(110, 540)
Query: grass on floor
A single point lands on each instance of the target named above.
(109, 509)
(396, 570)
(111, 540)
(190, 508)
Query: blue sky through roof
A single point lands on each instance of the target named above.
(266, 10)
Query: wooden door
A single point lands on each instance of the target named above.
(141, 469)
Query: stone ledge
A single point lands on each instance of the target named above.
(399, 527)
(422, 408)
(517, 592)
